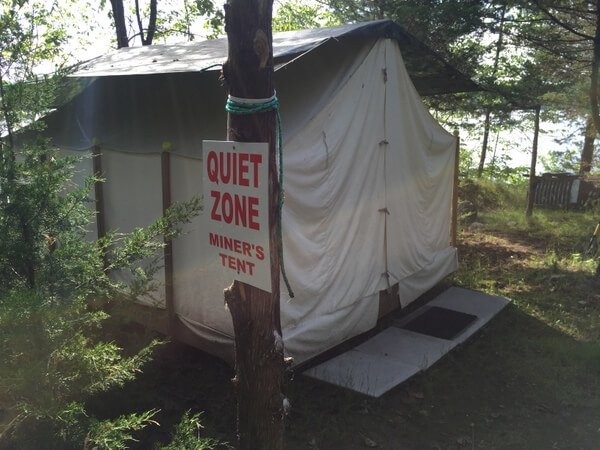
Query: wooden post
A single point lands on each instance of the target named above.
(248, 74)
(534, 152)
(454, 206)
(165, 165)
(99, 195)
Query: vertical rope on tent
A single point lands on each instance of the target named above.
(236, 105)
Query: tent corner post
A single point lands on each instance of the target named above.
(99, 195)
(454, 206)
(165, 166)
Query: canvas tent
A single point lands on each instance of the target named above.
(368, 171)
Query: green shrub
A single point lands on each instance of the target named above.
(489, 195)
(186, 435)
(53, 287)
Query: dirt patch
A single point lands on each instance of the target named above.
(497, 252)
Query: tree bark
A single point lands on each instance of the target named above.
(248, 74)
(120, 25)
(587, 153)
(484, 146)
(534, 151)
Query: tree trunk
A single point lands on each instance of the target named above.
(248, 74)
(587, 153)
(594, 77)
(151, 23)
(149, 35)
(500, 41)
(6, 115)
(534, 151)
(486, 135)
(120, 25)
(486, 127)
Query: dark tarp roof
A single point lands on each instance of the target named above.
(428, 71)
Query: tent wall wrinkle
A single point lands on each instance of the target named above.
(343, 267)
(420, 160)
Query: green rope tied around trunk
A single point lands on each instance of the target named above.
(253, 106)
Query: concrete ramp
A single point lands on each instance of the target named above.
(413, 344)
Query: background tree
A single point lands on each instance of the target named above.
(488, 110)
(146, 33)
(175, 17)
(569, 31)
(581, 21)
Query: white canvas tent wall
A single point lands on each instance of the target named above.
(368, 171)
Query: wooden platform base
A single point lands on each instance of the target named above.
(158, 320)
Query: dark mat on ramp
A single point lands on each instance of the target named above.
(440, 322)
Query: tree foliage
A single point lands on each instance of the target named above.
(297, 15)
(572, 31)
(442, 24)
(568, 33)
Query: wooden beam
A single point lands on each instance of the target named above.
(165, 164)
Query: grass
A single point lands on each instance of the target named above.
(548, 341)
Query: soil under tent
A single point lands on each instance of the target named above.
(368, 172)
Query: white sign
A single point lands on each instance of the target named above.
(236, 207)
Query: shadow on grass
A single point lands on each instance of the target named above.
(521, 382)
(518, 383)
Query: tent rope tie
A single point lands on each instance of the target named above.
(246, 106)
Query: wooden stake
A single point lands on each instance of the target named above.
(248, 74)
